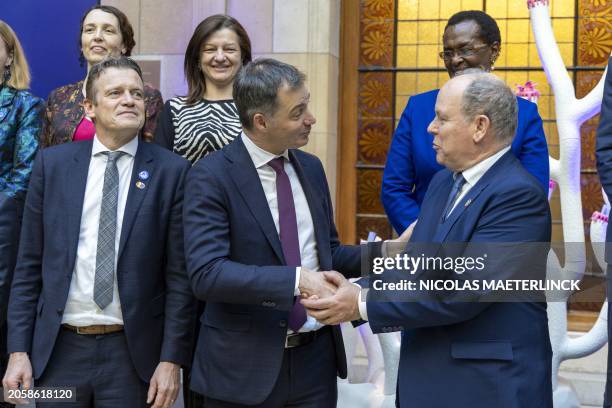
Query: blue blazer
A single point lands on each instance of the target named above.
(603, 146)
(479, 354)
(411, 160)
(156, 301)
(236, 265)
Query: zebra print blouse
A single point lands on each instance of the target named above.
(196, 130)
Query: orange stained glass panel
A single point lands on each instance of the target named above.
(429, 10)
(428, 33)
(471, 5)
(450, 7)
(518, 31)
(400, 104)
(406, 55)
(408, 9)
(517, 55)
(534, 57)
(567, 53)
(427, 81)
(516, 8)
(427, 56)
(516, 77)
(544, 107)
(405, 83)
(497, 9)
(564, 29)
(407, 32)
(566, 8)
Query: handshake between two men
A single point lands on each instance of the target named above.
(331, 298)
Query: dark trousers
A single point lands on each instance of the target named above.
(307, 378)
(100, 368)
(10, 224)
(608, 392)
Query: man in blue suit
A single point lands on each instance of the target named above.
(604, 169)
(100, 298)
(258, 227)
(467, 353)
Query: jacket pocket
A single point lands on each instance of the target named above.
(485, 350)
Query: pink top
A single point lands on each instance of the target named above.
(84, 131)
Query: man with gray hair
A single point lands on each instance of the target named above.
(258, 229)
(481, 354)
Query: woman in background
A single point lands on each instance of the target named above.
(105, 31)
(206, 119)
(471, 40)
(20, 124)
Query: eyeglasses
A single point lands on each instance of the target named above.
(466, 52)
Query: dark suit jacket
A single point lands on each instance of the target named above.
(236, 264)
(156, 302)
(604, 149)
(480, 354)
(411, 160)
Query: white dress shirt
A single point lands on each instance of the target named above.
(305, 225)
(471, 176)
(81, 310)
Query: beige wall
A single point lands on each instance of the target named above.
(304, 33)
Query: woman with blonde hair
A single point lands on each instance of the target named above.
(20, 125)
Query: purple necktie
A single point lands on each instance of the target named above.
(290, 242)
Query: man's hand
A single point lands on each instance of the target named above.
(164, 385)
(18, 372)
(315, 284)
(397, 246)
(341, 307)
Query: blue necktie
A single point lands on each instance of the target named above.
(452, 197)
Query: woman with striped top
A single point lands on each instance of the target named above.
(206, 119)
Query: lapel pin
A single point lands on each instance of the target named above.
(140, 184)
(468, 202)
(143, 175)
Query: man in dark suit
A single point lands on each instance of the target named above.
(604, 169)
(458, 350)
(258, 226)
(100, 298)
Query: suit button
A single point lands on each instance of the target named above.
(282, 323)
(60, 311)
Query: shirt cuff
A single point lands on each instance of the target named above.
(296, 289)
(363, 309)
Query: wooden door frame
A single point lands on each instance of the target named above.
(346, 172)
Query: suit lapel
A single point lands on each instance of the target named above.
(316, 210)
(74, 183)
(143, 161)
(445, 227)
(244, 174)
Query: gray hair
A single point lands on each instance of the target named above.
(99, 68)
(490, 96)
(256, 87)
